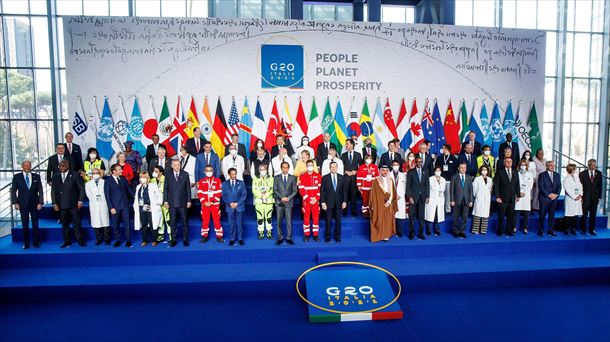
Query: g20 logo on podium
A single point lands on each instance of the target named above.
(282, 66)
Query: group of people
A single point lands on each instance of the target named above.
(158, 190)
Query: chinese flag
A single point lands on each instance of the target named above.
(452, 131)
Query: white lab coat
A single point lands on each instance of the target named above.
(401, 189)
(573, 189)
(436, 203)
(276, 164)
(237, 163)
(526, 180)
(190, 169)
(156, 200)
(98, 209)
(482, 196)
(326, 166)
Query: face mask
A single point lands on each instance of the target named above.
(411, 158)
(209, 174)
(309, 168)
(527, 157)
(155, 174)
(305, 142)
(369, 145)
(522, 167)
(395, 168)
(484, 172)
(368, 161)
(233, 152)
(96, 176)
(261, 158)
(92, 156)
(330, 157)
(486, 152)
(143, 180)
(263, 173)
(260, 145)
(437, 173)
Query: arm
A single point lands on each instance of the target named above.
(199, 168)
(40, 192)
(165, 190)
(599, 184)
(14, 190)
(107, 193)
(256, 193)
(293, 190)
(323, 193)
(49, 172)
(542, 185)
(242, 194)
(569, 189)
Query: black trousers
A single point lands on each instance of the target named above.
(122, 215)
(570, 223)
(25, 223)
(460, 217)
(147, 229)
(349, 182)
(547, 208)
(102, 234)
(526, 218)
(417, 210)
(70, 215)
(506, 210)
(589, 211)
(335, 212)
(173, 222)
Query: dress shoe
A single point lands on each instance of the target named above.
(428, 232)
(399, 234)
(455, 234)
(117, 243)
(540, 233)
(525, 231)
(316, 239)
(421, 237)
(128, 244)
(82, 244)
(462, 235)
(172, 243)
(551, 233)
(327, 240)
(338, 240)
(510, 234)
(231, 243)
(573, 231)
(500, 233)
(25, 246)
(411, 236)
(66, 245)
(290, 242)
(220, 240)
(241, 242)
(107, 243)
(154, 244)
(143, 244)
(279, 242)
(204, 239)
(36, 245)
(306, 238)
(437, 232)
(97, 243)
(593, 232)
(185, 243)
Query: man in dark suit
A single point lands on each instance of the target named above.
(281, 142)
(591, 180)
(207, 157)
(55, 160)
(514, 147)
(177, 198)
(332, 198)
(549, 187)
(118, 195)
(388, 157)
(27, 197)
(74, 152)
(426, 158)
(159, 160)
(194, 145)
(67, 195)
(369, 150)
(506, 189)
(284, 190)
(234, 195)
(351, 162)
(323, 148)
(418, 180)
(461, 197)
(468, 157)
(473, 143)
(151, 150)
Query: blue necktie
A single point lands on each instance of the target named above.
(462, 180)
(27, 180)
(334, 183)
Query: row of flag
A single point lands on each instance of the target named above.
(111, 129)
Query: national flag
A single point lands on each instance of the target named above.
(232, 124)
(177, 136)
(388, 118)
(452, 130)
(353, 125)
(105, 133)
(366, 126)
(165, 122)
(121, 127)
(382, 133)
(192, 121)
(245, 125)
(339, 137)
(151, 122)
(534, 130)
(521, 127)
(402, 125)
(497, 129)
(509, 123)
(433, 129)
(415, 135)
(464, 124)
(476, 128)
(136, 127)
(259, 128)
(219, 131)
(314, 128)
(328, 121)
(274, 127)
(485, 127)
(205, 121)
(286, 124)
(301, 125)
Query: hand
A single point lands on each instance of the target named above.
(578, 197)
(324, 206)
(427, 200)
(39, 207)
(411, 200)
(80, 204)
(55, 207)
(452, 203)
(517, 199)
(470, 205)
(312, 201)
(521, 194)
(285, 199)
(207, 204)
(498, 200)
(343, 205)
(166, 205)
(113, 211)
(387, 204)
(17, 206)
(233, 205)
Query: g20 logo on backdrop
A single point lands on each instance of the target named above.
(282, 66)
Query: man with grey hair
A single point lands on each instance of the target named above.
(591, 180)
(549, 187)
(27, 197)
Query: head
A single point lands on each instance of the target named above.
(161, 152)
(116, 170)
(209, 171)
(484, 170)
(592, 164)
(349, 144)
(232, 173)
(410, 156)
(60, 149)
(175, 165)
(305, 155)
(368, 160)
(508, 162)
(486, 150)
(260, 154)
(128, 146)
(462, 168)
(285, 168)
(383, 171)
(121, 158)
(207, 147)
(262, 169)
(509, 137)
(523, 165)
(69, 137)
(391, 146)
(438, 171)
(280, 140)
(197, 132)
(550, 166)
(468, 148)
(259, 144)
(155, 139)
(234, 138)
(539, 154)
(446, 149)
(326, 137)
(428, 144)
(423, 148)
(332, 153)
(233, 149)
(64, 166)
(305, 141)
(368, 142)
(26, 166)
(527, 155)
(144, 177)
(158, 171)
(309, 166)
(93, 154)
(333, 167)
(395, 165)
(282, 152)
(418, 161)
(96, 173)
(354, 137)
(183, 151)
(508, 152)
(571, 168)
(472, 136)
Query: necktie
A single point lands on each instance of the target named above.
(510, 176)
(117, 180)
(27, 180)
(182, 163)
(462, 180)
(63, 177)
(350, 157)
(592, 176)
(468, 158)
(368, 151)
(232, 185)
(419, 173)
(176, 174)
(197, 144)
(285, 181)
(334, 183)
(96, 182)
(551, 176)
(207, 159)
(61, 158)
(326, 146)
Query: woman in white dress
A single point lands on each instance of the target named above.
(98, 209)
(573, 198)
(147, 208)
(435, 202)
(540, 163)
(481, 188)
(524, 200)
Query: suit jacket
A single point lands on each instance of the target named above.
(373, 154)
(592, 192)
(504, 188)
(53, 166)
(177, 192)
(328, 195)
(547, 187)
(355, 164)
(201, 163)
(118, 196)
(241, 150)
(322, 152)
(471, 168)
(280, 191)
(477, 148)
(236, 194)
(416, 188)
(67, 194)
(76, 157)
(452, 165)
(275, 150)
(428, 163)
(26, 198)
(458, 194)
(155, 161)
(385, 159)
(515, 156)
(150, 152)
(191, 147)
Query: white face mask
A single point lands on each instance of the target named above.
(330, 157)
(96, 176)
(92, 156)
(395, 168)
(486, 153)
(368, 161)
(209, 174)
(437, 173)
(309, 168)
(233, 152)
(143, 180)
(523, 168)
(155, 174)
(263, 173)
(260, 145)
(484, 172)
(411, 158)
(305, 142)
